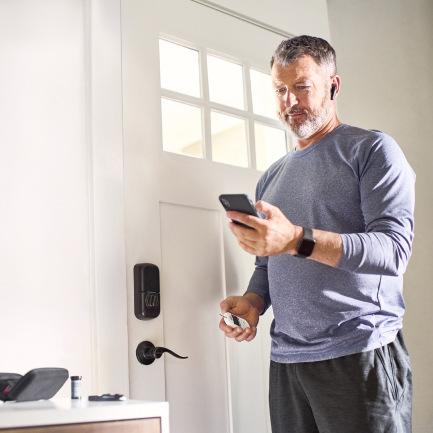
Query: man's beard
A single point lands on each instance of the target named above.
(314, 120)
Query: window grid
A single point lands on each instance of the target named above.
(207, 105)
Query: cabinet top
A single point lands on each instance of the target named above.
(67, 411)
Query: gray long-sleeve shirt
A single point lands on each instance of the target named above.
(356, 183)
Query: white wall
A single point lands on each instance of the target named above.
(44, 230)
(62, 277)
(385, 59)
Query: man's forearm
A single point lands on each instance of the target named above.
(256, 300)
(328, 248)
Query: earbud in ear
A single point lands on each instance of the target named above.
(333, 90)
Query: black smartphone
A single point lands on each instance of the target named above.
(107, 397)
(239, 203)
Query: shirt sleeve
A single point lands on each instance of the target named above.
(259, 282)
(387, 202)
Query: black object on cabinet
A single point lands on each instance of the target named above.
(37, 384)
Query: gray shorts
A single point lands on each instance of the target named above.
(361, 393)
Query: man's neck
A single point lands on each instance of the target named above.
(328, 127)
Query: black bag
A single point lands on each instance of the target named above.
(37, 384)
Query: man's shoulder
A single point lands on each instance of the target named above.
(361, 134)
(367, 145)
(364, 142)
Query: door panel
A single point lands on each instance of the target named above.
(192, 286)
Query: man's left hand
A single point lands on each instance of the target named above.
(271, 236)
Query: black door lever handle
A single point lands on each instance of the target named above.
(147, 353)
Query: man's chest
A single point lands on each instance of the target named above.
(317, 193)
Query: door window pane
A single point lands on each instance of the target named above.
(181, 128)
(226, 84)
(229, 140)
(262, 94)
(270, 145)
(179, 68)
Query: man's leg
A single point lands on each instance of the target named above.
(369, 392)
(289, 407)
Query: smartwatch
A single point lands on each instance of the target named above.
(306, 244)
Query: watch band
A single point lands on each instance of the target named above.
(306, 244)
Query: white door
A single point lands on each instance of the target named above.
(191, 133)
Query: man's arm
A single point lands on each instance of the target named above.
(387, 203)
(277, 235)
(257, 301)
(328, 248)
(387, 192)
(249, 306)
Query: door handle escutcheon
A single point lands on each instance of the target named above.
(147, 353)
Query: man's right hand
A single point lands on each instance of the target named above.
(246, 308)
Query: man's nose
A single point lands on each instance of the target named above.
(290, 100)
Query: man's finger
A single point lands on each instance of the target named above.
(252, 241)
(249, 220)
(244, 233)
(266, 208)
(249, 249)
(224, 327)
(224, 306)
(228, 303)
(228, 330)
(255, 245)
(232, 334)
(252, 334)
(244, 335)
(238, 333)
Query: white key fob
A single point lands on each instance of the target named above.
(235, 321)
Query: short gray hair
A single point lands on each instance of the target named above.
(292, 49)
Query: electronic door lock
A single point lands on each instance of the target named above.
(147, 301)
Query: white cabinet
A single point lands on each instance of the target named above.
(83, 416)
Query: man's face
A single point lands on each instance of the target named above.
(302, 96)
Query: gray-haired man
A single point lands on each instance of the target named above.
(330, 258)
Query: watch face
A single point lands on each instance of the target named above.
(306, 247)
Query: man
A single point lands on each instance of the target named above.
(330, 258)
